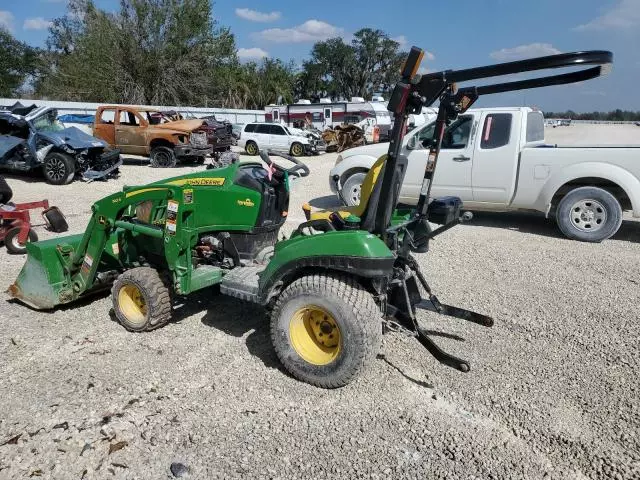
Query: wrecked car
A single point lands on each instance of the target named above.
(164, 137)
(32, 138)
(219, 134)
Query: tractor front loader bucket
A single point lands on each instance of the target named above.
(44, 281)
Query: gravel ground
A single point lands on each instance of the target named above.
(553, 390)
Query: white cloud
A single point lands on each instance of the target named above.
(309, 31)
(255, 16)
(524, 51)
(252, 53)
(37, 23)
(6, 20)
(402, 40)
(626, 14)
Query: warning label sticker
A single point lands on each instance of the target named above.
(172, 206)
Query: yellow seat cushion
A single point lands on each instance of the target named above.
(365, 192)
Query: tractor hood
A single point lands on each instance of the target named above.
(181, 125)
(72, 137)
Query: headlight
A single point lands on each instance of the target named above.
(338, 160)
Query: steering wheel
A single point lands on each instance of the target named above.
(298, 167)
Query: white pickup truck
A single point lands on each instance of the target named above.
(496, 159)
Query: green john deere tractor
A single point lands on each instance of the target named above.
(339, 281)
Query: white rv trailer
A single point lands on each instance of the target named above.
(327, 114)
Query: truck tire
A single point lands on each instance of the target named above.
(589, 214)
(251, 148)
(13, 244)
(326, 329)
(141, 300)
(351, 189)
(59, 168)
(297, 149)
(162, 157)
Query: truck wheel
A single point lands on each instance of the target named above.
(589, 214)
(59, 168)
(141, 300)
(13, 244)
(326, 329)
(351, 189)
(163, 157)
(251, 148)
(297, 150)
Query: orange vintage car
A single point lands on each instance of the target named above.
(149, 132)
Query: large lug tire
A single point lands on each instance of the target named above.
(589, 214)
(297, 149)
(59, 168)
(251, 148)
(162, 157)
(13, 244)
(141, 300)
(326, 329)
(351, 189)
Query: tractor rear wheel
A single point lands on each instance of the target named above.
(141, 300)
(13, 244)
(326, 329)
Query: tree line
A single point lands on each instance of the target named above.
(173, 52)
(613, 116)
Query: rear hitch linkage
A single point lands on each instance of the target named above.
(403, 320)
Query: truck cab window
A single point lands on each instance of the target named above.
(457, 135)
(129, 118)
(496, 131)
(108, 116)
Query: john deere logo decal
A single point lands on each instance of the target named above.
(246, 203)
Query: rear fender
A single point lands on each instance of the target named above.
(621, 177)
(358, 253)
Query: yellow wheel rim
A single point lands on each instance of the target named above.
(132, 304)
(297, 150)
(315, 335)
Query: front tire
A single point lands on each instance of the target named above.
(141, 300)
(13, 244)
(352, 188)
(297, 149)
(251, 148)
(326, 329)
(59, 168)
(163, 157)
(589, 214)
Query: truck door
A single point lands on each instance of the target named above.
(496, 159)
(104, 126)
(278, 138)
(453, 172)
(130, 133)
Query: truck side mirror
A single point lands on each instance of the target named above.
(412, 144)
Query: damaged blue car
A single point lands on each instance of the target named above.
(33, 138)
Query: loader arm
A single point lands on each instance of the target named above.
(62, 270)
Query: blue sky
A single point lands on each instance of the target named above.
(457, 34)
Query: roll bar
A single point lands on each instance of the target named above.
(414, 91)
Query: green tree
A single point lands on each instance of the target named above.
(18, 62)
(369, 64)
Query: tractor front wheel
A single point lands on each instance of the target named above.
(326, 329)
(141, 300)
